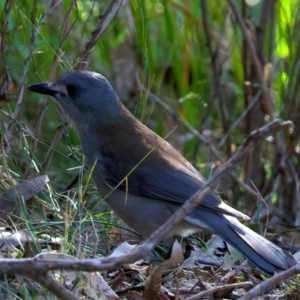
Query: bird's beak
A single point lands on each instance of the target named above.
(43, 88)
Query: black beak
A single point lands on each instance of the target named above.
(43, 88)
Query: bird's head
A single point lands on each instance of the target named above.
(82, 95)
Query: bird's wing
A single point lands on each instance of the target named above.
(173, 185)
(141, 163)
(168, 185)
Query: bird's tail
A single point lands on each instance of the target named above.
(262, 253)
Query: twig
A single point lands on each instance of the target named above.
(65, 31)
(103, 22)
(58, 136)
(254, 57)
(262, 200)
(241, 117)
(221, 288)
(34, 34)
(54, 287)
(270, 283)
(217, 70)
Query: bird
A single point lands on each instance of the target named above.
(142, 177)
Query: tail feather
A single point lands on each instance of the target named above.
(262, 253)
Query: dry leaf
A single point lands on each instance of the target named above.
(124, 248)
(152, 285)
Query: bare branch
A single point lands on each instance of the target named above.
(254, 57)
(272, 282)
(103, 22)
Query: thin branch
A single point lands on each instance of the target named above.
(271, 283)
(221, 288)
(241, 117)
(54, 287)
(254, 58)
(34, 33)
(103, 22)
(65, 30)
(217, 70)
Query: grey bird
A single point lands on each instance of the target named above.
(158, 179)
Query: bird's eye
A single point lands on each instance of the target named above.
(71, 89)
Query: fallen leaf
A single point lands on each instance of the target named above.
(124, 248)
(152, 285)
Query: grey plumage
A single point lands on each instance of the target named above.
(160, 179)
